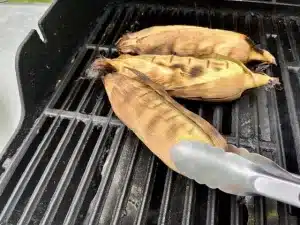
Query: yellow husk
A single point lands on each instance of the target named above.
(158, 120)
(209, 78)
(193, 41)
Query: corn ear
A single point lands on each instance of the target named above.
(157, 120)
(194, 41)
(208, 78)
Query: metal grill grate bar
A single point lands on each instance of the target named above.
(84, 99)
(40, 188)
(19, 189)
(212, 198)
(106, 176)
(77, 85)
(235, 210)
(97, 120)
(165, 202)
(255, 118)
(72, 95)
(120, 202)
(140, 219)
(87, 176)
(292, 41)
(112, 25)
(78, 60)
(99, 105)
(259, 200)
(79, 82)
(296, 65)
(274, 113)
(105, 48)
(235, 215)
(289, 93)
(278, 135)
(129, 14)
(66, 177)
(90, 94)
(283, 208)
(188, 203)
(21, 152)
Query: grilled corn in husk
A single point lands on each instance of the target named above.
(209, 78)
(194, 41)
(156, 119)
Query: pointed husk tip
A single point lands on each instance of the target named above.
(275, 83)
(98, 68)
(269, 57)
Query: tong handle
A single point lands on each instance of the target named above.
(281, 190)
(270, 166)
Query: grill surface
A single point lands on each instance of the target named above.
(79, 163)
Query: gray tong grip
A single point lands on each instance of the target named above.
(213, 167)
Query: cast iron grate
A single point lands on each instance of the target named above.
(273, 2)
(79, 164)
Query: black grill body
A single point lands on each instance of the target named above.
(74, 162)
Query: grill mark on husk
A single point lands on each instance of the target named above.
(157, 105)
(214, 63)
(144, 94)
(173, 129)
(160, 64)
(156, 50)
(166, 112)
(207, 63)
(171, 58)
(219, 65)
(172, 117)
(139, 111)
(153, 122)
(190, 131)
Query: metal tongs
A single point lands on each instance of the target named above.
(240, 174)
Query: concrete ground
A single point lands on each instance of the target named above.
(16, 20)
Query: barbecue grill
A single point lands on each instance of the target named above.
(74, 162)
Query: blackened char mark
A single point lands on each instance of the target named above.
(254, 47)
(196, 71)
(160, 64)
(217, 69)
(207, 63)
(177, 65)
(171, 58)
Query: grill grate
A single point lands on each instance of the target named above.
(79, 164)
